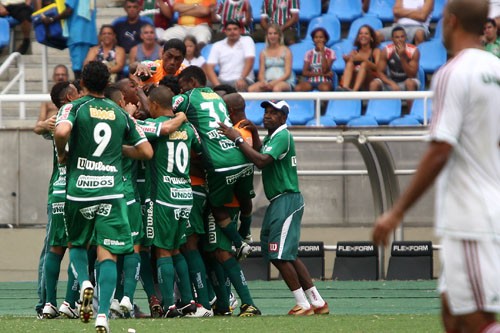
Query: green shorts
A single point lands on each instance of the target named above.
(148, 224)
(106, 220)
(280, 233)
(196, 223)
(135, 220)
(56, 224)
(215, 238)
(222, 185)
(170, 225)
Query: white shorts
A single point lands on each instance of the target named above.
(470, 275)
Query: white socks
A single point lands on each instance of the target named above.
(300, 299)
(314, 297)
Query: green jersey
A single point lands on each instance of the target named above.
(205, 109)
(131, 191)
(152, 130)
(57, 183)
(171, 162)
(94, 164)
(493, 47)
(280, 176)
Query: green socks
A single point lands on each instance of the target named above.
(131, 271)
(183, 280)
(147, 274)
(231, 232)
(233, 270)
(52, 268)
(107, 283)
(166, 275)
(79, 263)
(198, 276)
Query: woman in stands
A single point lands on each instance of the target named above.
(361, 63)
(275, 64)
(149, 49)
(318, 62)
(108, 52)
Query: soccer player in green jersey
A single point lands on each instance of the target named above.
(280, 233)
(228, 171)
(95, 130)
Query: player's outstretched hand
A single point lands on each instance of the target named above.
(384, 225)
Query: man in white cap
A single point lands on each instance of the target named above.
(280, 233)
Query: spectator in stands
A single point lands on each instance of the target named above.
(128, 29)
(80, 17)
(193, 56)
(361, 63)
(366, 5)
(397, 68)
(149, 49)
(161, 19)
(20, 10)
(236, 10)
(235, 56)
(108, 52)
(414, 16)
(195, 17)
(317, 69)
(494, 12)
(285, 13)
(490, 38)
(275, 64)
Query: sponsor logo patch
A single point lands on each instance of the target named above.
(273, 247)
(95, 181)
(181, 193)
(102, 114)
(85, 164)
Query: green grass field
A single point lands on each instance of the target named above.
(378, 306)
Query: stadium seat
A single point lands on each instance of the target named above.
(417, 110)
(356, 261)
(309, 9)
(256, 10)
(372, 21)
(4, 33)
(438, 33)
(341, 48)
(345, 10)
(432, 56)
(331, 24)
(437, 12)
(421, 78)
(258, 48)
(325, 120)
(255, 266)
(384, 110)
(298, 52)
(301, 111)
(12, 21)
(382, 9)
(342, 111)
(410, 260)
(405, 121)
(362, 121)
(205, 51)
(254, 111)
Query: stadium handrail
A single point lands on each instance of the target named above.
(18, 78)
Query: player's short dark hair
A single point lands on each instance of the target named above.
(175, 43)
(396, 29)
(57, 93)
(225, 88)
(113, 93)
(171, 82)
(194, 72)
(77, 84)
(471, 14)
(492, 22)
(232, 22)
(95, 76)
(161, 95)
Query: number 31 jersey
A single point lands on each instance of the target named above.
(94, 164)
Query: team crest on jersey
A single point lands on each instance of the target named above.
(177, 102)
(273, 247)
(89, 212)
(268, 149)
(64, 112)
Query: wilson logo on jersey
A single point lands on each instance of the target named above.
(95, 181)
(177, 102)
(294, 161)
(178, 135)
(113, 242)
(273, 247)
(176, 180)
(102, 114)
(65, 112)
(150, 231)
(212, 234)
(85, 164)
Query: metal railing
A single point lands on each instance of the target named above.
(19, 78)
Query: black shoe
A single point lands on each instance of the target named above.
(187, 308)
(247, 310)
(25, 45)
(39, 313)
(222, 312)
(172, 312)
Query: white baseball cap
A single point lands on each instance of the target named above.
(278, 105)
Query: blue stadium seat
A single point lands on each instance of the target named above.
(309, 9)
(4, 32)
(432, 56)
(254, 111)
(417, 110)
(298, 52)
(323, 121)
(331, 24)
(384, 110)
(372, 21)
(421, 78)
(341, 48)
(382, 9)
(437, 12)
(205, 51)
(258, 48)
(362, 121)
(342, 111)
(346, 10)
(256, 10)
(12, 21)
(405, 121)
(301, 111)
(438, 33)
